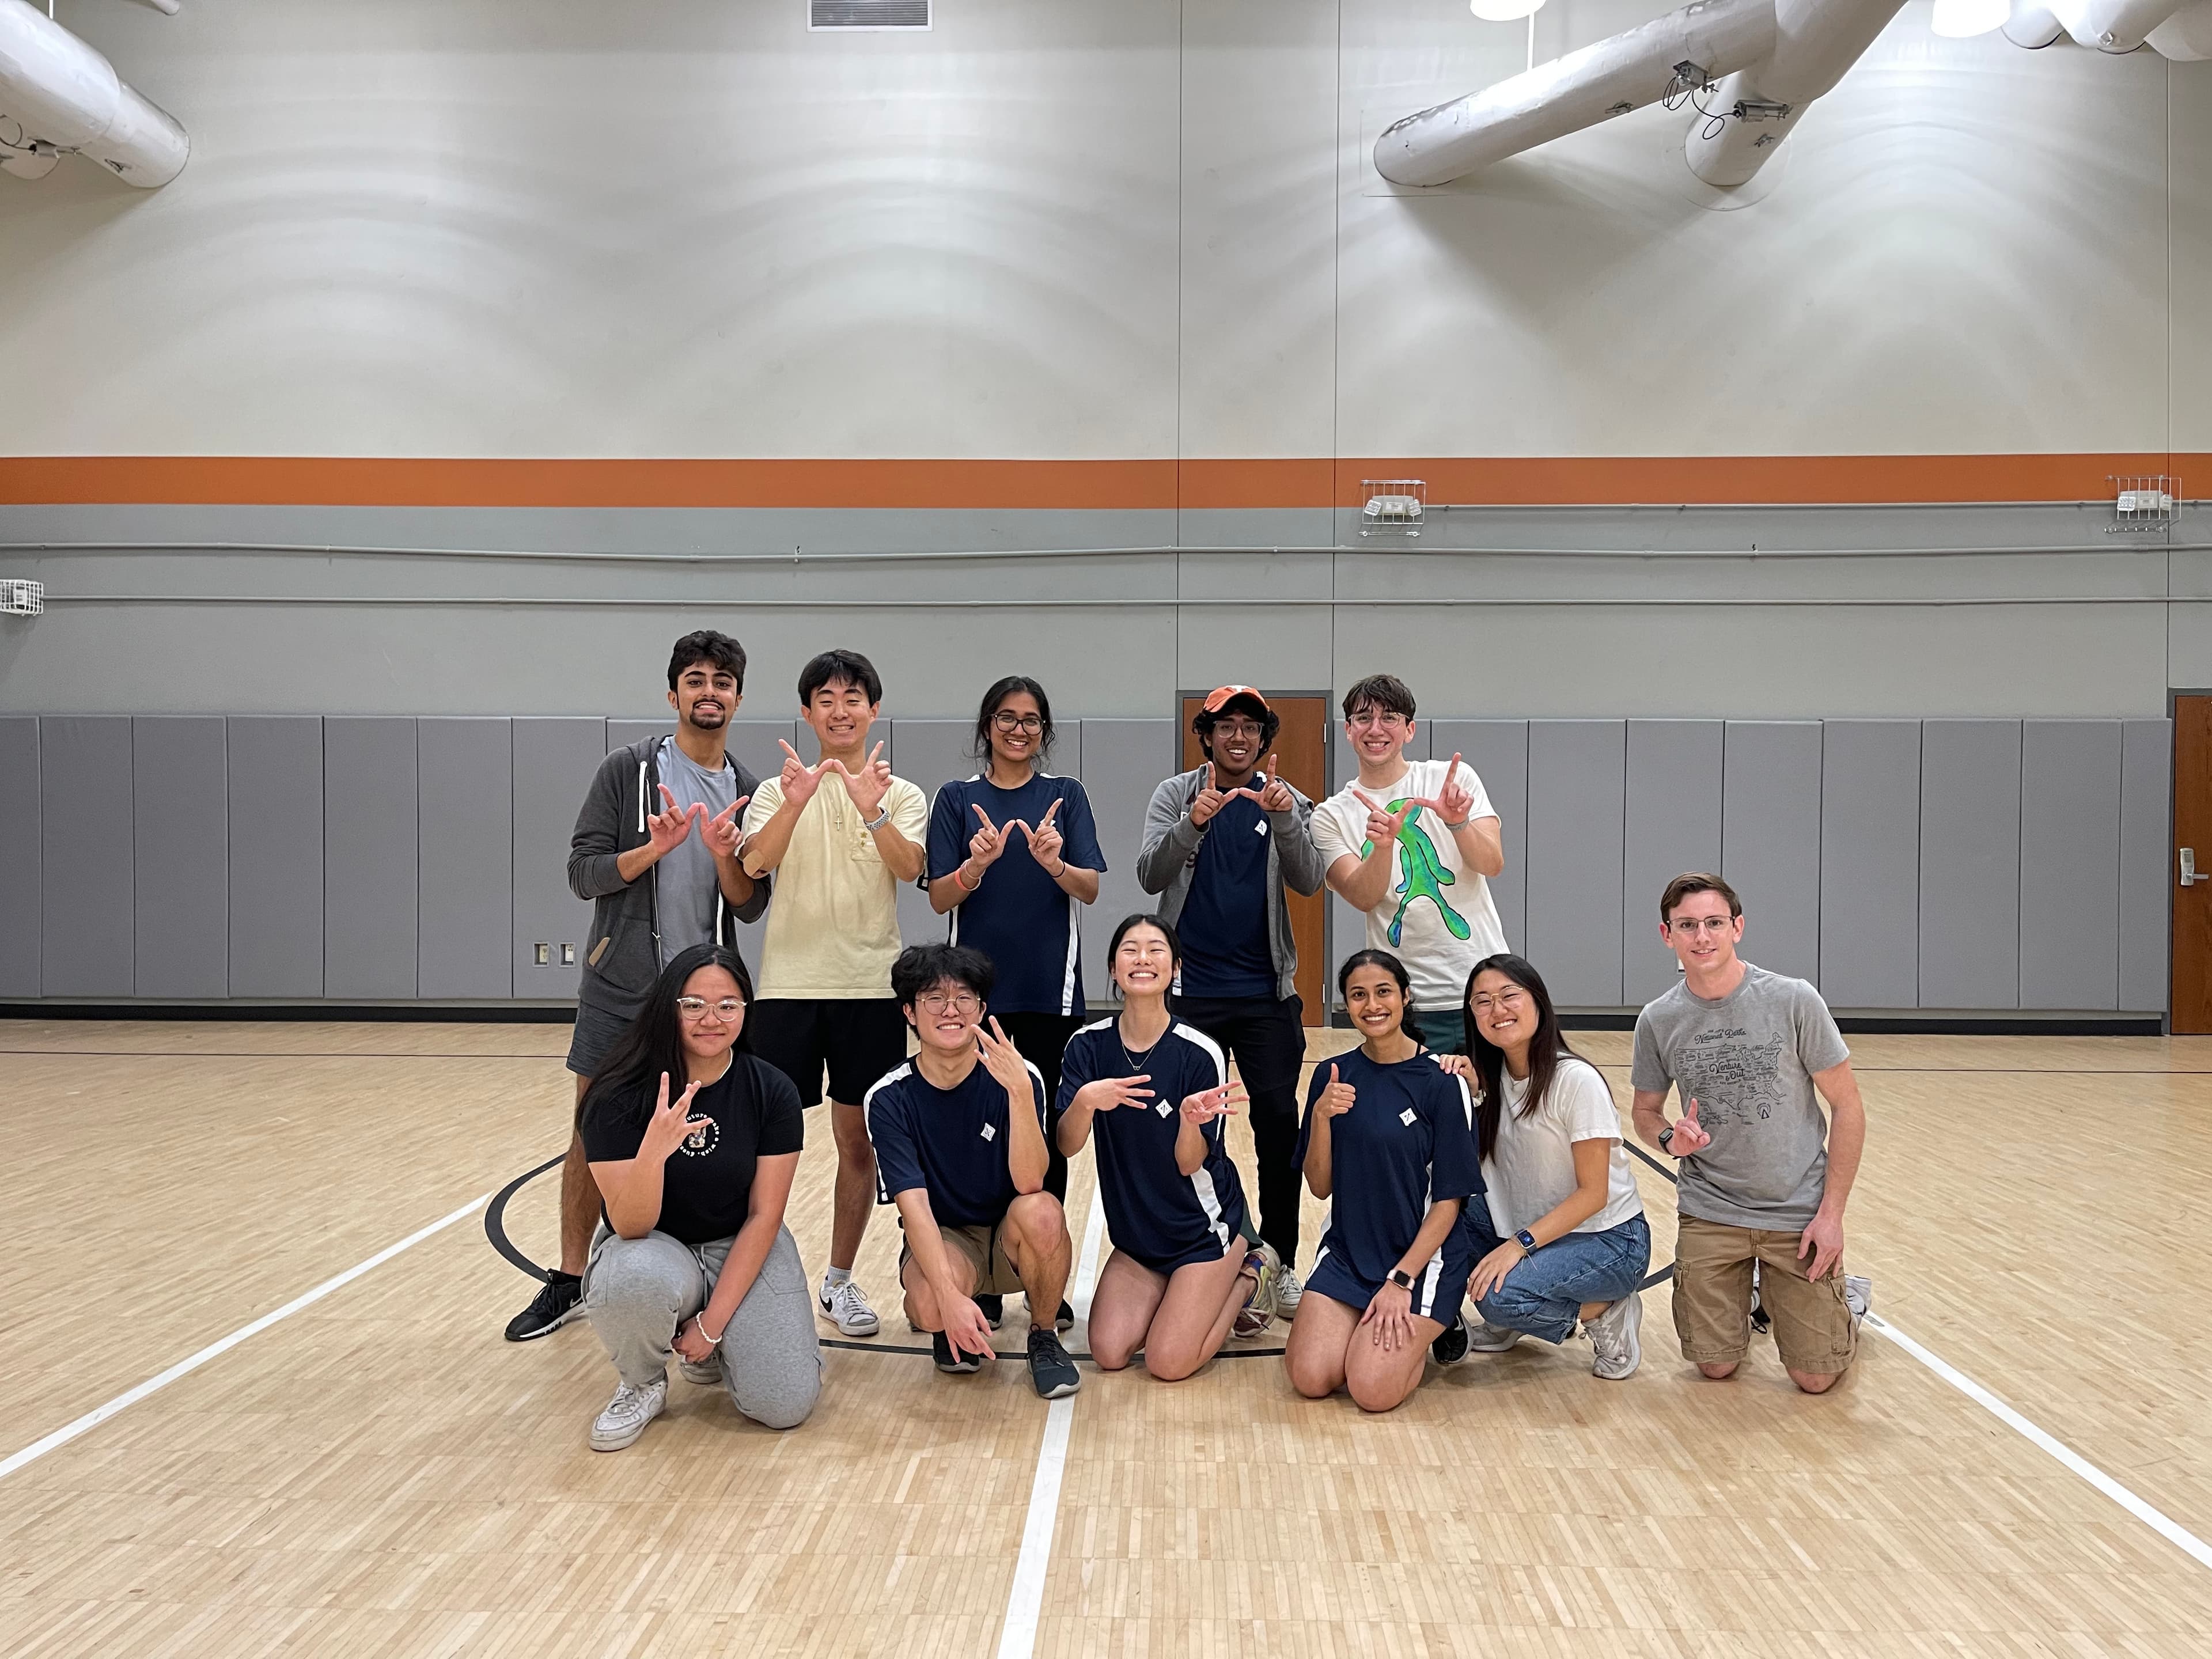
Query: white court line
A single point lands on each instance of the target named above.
(2168, 1527)
(1018, 1635)
(94, 1418)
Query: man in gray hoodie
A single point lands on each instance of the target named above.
(1220, 844)
(655, 849)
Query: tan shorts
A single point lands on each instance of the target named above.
(984, 1251)
(1813, 1324)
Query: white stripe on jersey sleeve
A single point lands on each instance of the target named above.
(867, 1101)
(1192, 1034)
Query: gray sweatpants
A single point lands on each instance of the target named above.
(638, 1291)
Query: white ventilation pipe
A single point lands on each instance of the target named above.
(57, 95)
(2185, 37)
(1615, 75)
(1815, 41)
(2032, 24)
(2114, 25)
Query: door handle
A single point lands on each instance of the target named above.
(2190, 877)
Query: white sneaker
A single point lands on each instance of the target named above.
(1484, 1337)
(1613, 1334)
(848, 1308)
(1289, 1287)
(708, 1373)
(626, 1414)
(1858, 1295)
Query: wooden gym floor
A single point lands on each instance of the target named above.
(380, 1474)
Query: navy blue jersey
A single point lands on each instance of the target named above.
(1156, 1213)
(951, 1143)
(1018, 916)
(1224, 924)
(1408, 1142)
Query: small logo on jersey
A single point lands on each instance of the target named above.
(1406, 1117)
(1165, 1109)
(990, 1132)
(702, 1140)
(1261, 826)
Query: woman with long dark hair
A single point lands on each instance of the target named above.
(1013, 858)
(1154, 1092)
(1559, 1232)
(693, 1141)
(1389, 1141)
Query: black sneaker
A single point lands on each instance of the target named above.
(1450, 1345)
(1050, 1368)
(560, 1301)
(1065, 1319)
(947, 1359)
(993, 1308)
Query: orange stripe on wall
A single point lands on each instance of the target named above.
(1070, 485)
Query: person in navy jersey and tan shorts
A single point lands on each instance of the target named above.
(958, 1133)
(1013, 858)
(1389, 1139)
(1154, 1091)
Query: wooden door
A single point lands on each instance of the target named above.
(1302, 747)
(2192, 837)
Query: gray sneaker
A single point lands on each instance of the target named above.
(1289, 1287)
(708, 1373)
(1256, 1315)
(1484, 1337)
(1613, 1334)
(1858, 1295)
(626, 1414)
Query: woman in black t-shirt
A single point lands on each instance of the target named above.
(693, 1142)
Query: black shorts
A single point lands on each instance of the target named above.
(599, 1026)
(857, 1038)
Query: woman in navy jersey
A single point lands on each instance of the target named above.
(1389, 1139)
(1155, 1092)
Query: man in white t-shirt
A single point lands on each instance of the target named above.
(1412, 843)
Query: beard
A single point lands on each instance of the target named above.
(707, 719)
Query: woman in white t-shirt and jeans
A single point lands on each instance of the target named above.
(1559, 1235)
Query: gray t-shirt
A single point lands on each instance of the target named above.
(1748, 1060)
(685, 881)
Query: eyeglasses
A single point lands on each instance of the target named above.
(1236, 728)
(1693, 925)
(1378, 719)
(964, 1002)
(1031, 724)
(1483, 1004)
(698, 1007)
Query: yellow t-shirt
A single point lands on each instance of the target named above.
(833, 920)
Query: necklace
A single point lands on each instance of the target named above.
(1129, 1059)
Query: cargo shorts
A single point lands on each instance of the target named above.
(1813, 1324)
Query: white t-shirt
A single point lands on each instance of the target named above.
(1439, 920)
(1531, 1171)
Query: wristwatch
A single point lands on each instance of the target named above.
(1402, 1279)
(1667, 1139)
(1527, 1241)
(878, 822)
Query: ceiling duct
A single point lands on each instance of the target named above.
(59, 97)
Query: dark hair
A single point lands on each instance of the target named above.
(623, 1087)
(1142, 919)
(921, 966)
(1203, 722)
(1383, 960)
(1696, 881)
(1547, 1048)
(998, 694)
(830, 666)
(707, 645)
(1384, 691)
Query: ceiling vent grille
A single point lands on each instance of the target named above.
(867, 14)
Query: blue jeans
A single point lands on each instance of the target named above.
(1544, 1295)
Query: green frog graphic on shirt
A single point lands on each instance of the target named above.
(1423, 874)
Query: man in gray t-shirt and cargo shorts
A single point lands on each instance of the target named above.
(1764, 1176)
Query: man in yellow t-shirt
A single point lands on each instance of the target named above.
(841, 836)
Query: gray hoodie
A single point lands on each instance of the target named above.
(1172, 844)
(624, 957)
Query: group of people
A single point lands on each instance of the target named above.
(1479, 1189)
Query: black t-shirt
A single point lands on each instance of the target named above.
(707, 1185)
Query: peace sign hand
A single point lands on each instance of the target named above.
(1689, 1135)
(666, 831)
(987, 843)
(1276, 796)
(672, 1123)
(1336, 1099)
(720, 832)
(1207, 1105)
(800, 780)
(1454, 801)
(1104, 1094)
(1045, 842)
(1004, 1061)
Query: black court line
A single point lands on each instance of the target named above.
(495, 1219)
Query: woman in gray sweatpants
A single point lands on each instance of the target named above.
(691, 1255)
